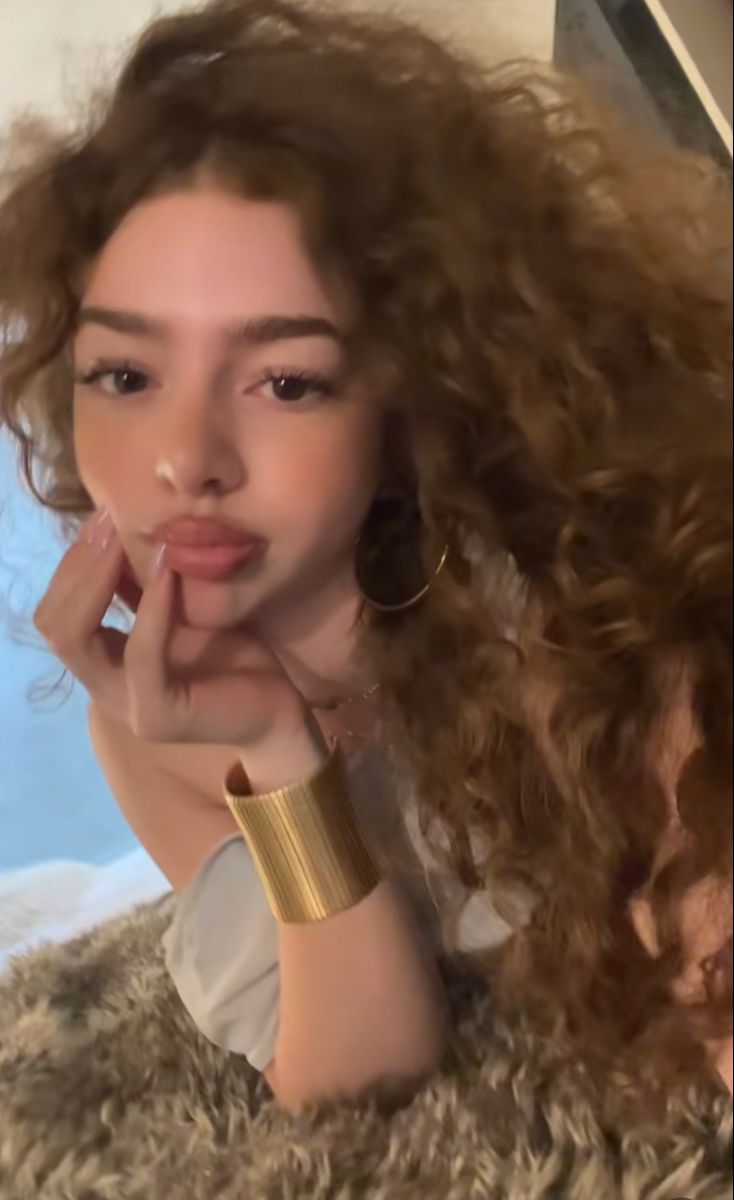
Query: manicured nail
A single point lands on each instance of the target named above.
(159, 561)
(100, 531)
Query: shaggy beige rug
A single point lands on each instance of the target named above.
(108, 1092)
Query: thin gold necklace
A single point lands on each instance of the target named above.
(331, 708)
(350, 700)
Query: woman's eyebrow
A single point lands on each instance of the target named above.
(255, 331)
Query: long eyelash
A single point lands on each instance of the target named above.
(90, 376)
(318, 382)
(104, 368)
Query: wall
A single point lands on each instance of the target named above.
(700, 35)
(51, 49)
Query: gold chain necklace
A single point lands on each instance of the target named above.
(332, 708)
(350, 700)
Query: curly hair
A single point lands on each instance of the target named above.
(551, 298)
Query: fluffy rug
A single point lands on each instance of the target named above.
(108, 1092)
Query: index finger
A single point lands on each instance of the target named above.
(146, 659)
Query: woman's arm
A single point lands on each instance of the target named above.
(361, 1000)
(361, 1003)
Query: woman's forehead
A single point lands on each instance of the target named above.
(210, 257)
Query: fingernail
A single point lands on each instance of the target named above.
(100, 531)
(159, 561)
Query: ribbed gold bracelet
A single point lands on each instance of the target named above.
(306, 842)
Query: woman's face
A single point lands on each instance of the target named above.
(186, 403)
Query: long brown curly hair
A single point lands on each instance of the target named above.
(551, 299)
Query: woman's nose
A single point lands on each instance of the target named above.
(195, 456)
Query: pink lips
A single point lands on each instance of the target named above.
(202, 531)
(211, 562)
(204, 548)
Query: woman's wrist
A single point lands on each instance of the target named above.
(305, 837)
(286, 756)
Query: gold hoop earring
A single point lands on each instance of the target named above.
(388, 559)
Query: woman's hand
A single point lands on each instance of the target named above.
(165, 682)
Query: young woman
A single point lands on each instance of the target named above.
(394, 395)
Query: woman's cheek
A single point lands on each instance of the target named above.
(106, 465)
(330, 494)
(92, 449)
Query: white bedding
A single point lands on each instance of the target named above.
(54, 901)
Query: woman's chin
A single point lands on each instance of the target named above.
(198, 603)
(204, 604)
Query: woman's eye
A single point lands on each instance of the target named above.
(116, 381)
(290, 386)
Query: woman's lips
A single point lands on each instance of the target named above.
(212, 562)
